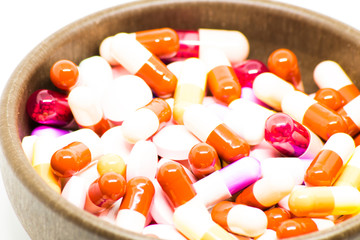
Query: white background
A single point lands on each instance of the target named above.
(23, 24)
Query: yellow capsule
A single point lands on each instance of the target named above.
(351, 173)
(46, 173)
(111, 163)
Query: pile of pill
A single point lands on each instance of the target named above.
(177, 135)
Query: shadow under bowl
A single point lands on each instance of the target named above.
(267, 25)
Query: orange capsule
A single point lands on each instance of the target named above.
(222, 80)
(162, 42)
(330, 98)
(175, 183)
(70, 159)
(64, 74)
(330, 161)
(104, 192)
(143, 64)
(300, 226)
(283, 63)
(350, 112)
(276, 216)
(136, 203)
(203, 160)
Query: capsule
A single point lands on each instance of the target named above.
(247, 119)
(104, 192)
(267, 191)
(135, 205)
(87, 110)
(299, 226)
(248, 93)
(248, 70)
(275, 216)
(283, 63)
(323, 201)
(144, 122)
(190, 88)
(163, 231)
(49, 108)
(123, 96)
(351, 115)
(143, 160)
(239, 219)
(44, 130)
(64, 74)
(144, 64)
(232, 42)
(330, 98)
(70, 159)
(208, 128)
(221, 78)
(75, 191)
(350, 176)
(111, 162)
(290, 137)
(321, 120)
(271, 89)
(191, 217)
(222, 184)
(161, 210)
(203, 160)
(269, 234)
(329, 74)
(330, 161)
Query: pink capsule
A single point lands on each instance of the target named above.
(248, 70)
(290, 137)
(50, 108)
(49, 131)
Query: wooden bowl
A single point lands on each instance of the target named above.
(267, 25)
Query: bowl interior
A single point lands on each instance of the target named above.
(267, 25)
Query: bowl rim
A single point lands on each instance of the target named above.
(11, 143)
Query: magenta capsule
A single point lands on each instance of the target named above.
(233, 43)
(290, 137)
(49, 131)
(248, 70)
(49, 108)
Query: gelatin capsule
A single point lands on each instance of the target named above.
(276, 216)
(330, 98)
(248, 70)
(64, 74)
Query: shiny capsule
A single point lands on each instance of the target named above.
(275, 216)
(248, 70)
(350, 176)
(64, 74)
(330, 98)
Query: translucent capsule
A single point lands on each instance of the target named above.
(177, 148)
(146, 121)
(271, 89)
(323, 201)
(275, 216)
(350, 176)
(142, 160)
(222, 184)
(239, 219)
(144, 64)
(290, 137)
(221, 78)
(70, 159)
(283, 63)
(266, 191)
(351, 115)
(123, 96)
(64, 74)
(321, 120)
(232, 42)
(329, 74)
(330, 161)
(247, 119)
(135, 205)
(203, 160)
(49, 108)
(111, 162)
(248, 70)
(299, 226)
(87, 110)
(209, 128)
(190, 88)
(330, 98)
(104, 192)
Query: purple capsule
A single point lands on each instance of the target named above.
(286, 135)
(49, 131)
(248, 70)
(49, 108)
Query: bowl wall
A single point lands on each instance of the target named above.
(268, 26)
